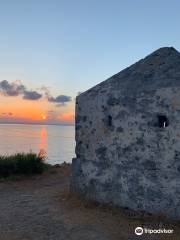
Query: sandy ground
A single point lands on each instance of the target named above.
(42, 208)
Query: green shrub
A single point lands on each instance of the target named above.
(22, 164)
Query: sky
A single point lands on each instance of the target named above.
(53, 49)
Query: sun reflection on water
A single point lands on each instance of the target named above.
(43, 142)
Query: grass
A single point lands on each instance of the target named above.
(22, 164)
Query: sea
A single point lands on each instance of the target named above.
(57, 141)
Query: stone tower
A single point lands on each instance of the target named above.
(128, 137)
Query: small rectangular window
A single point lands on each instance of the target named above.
(162, 121)
(109, 121)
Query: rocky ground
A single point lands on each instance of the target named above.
(42, 208)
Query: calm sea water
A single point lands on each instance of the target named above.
(57, 141)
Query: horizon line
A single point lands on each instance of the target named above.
(29, 123)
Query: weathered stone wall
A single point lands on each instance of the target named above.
(123, 156)
(132, 163)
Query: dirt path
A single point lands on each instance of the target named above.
(41, 208)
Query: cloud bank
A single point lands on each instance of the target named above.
(62, 99)
(32, 95)
(16, 89)
(11, 89)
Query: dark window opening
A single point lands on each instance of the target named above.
(109, 121)
(162, 121)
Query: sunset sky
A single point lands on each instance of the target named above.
(52, 50)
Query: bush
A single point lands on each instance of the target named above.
(22, 164)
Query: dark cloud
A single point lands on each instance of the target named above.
(61, 99)
(32, 95)
(16, 89)
(11, 89)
